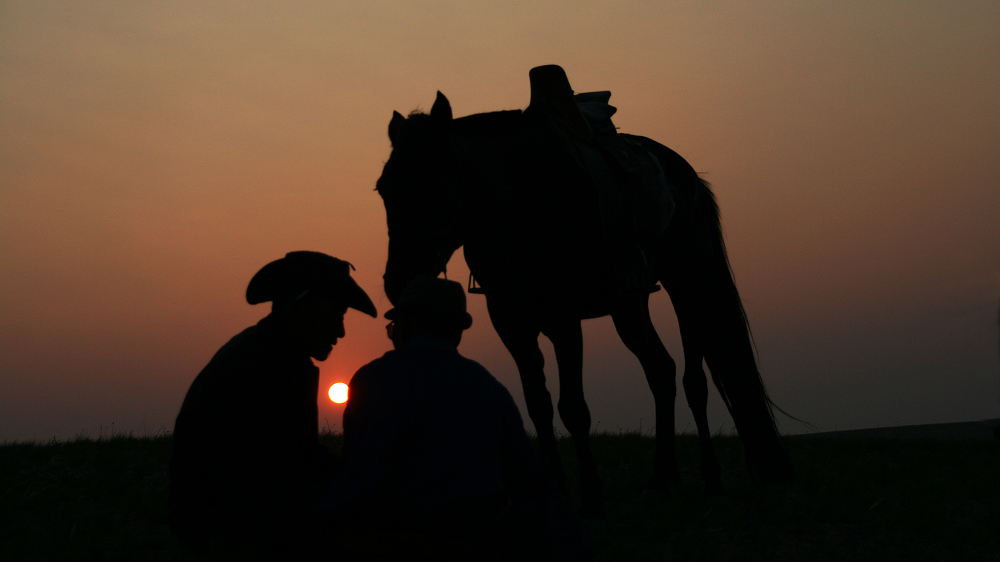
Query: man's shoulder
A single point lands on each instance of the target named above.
(246, 346)
(249, 337)
(445, 355)
(472, 364)
(470, 372)
(222, 368)
(260, 344)
(253, 354)
(415, 358)
(388, 358)
(389, 362)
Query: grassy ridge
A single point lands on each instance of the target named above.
(870, 499)
(86, 500)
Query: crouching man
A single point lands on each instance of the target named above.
(436, 461)
(247, 466)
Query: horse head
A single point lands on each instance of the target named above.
(419, 190)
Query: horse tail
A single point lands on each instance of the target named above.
(698, 276)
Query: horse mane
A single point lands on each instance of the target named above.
(474, 124)
(490, 120)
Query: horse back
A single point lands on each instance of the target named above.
(565, 221)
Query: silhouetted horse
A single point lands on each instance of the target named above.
(539, 237)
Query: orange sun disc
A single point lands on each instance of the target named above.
(338, 393)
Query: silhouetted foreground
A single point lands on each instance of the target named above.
(436, 463)
(247, 466)
(562, 219)
(855, 499)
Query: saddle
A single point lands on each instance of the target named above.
(627, 182)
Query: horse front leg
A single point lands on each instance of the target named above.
(520, 337)
(635, 328)
(567, 341)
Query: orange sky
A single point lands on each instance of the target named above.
(153, 157)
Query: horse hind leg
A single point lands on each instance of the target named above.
(635, 328)
(694, 380)
(696, 390)
(567, 341)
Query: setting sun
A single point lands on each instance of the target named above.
(338, 392)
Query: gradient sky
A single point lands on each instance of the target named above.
(153, 156)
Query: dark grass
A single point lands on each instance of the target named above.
(856, 499)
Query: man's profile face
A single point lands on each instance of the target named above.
(321, 324)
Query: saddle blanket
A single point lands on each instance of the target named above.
(629, 181)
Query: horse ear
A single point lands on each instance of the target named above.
(441, 110)
(395, 127)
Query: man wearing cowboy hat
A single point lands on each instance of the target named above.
(247, 464)
(434, 447)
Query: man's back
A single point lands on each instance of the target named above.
(250, 412)
(246, 449)
(430, 435)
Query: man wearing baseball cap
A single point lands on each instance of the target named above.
(435, 452)
(247, 464)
